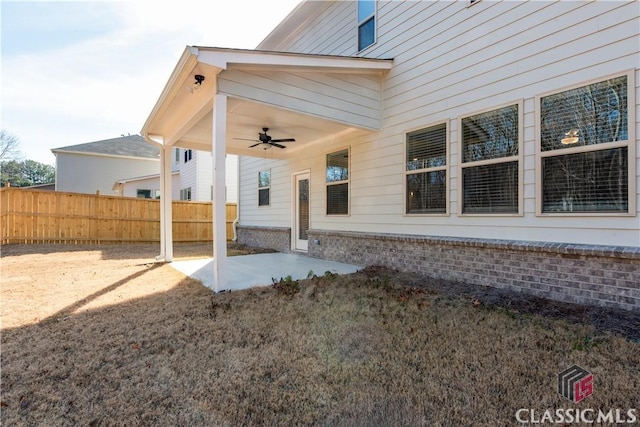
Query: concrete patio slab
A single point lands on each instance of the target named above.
(247, 271)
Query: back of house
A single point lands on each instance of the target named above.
(507, 153)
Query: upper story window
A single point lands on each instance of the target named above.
(177, 155)
(264, 188)
(426, 170)
(490, 168)
(585, 164)
(338, 183)
(366, 23)
(188, 155)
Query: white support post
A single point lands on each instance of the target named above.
(219, 197)
(166, 216)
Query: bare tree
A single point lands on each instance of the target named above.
(9, 146)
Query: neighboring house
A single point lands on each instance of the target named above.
(94, 166)
(489, 142)
(192, 179)
(129, 166)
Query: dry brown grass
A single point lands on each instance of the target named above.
(104, 336)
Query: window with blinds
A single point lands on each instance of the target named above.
(490, 147)
(426, 170)
(337, 176)
(584, 148)
(264, 187)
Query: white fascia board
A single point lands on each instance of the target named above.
(222, 58)
(183, 68)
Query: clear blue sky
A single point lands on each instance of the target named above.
(82, 71)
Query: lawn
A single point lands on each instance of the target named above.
(106, 336)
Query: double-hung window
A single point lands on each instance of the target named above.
(185, 193)
(426, 170)
(491, 168)
(264, 188)
(338, 183)
(366, 23)
(586, 149)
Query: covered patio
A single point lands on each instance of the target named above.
(221, 100)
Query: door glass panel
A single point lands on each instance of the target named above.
(303, 208)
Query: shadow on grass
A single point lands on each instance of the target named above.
(104, 291)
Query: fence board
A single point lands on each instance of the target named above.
(37, 216)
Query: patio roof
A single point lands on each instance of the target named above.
(306, 97)
(236, 94)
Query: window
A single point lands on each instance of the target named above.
(490, 168)
(177, 155)
(338, 183)
(264, 188)
(143, 194)
(185, 193)
(426, 170)
(188, 155)
(366, 23)
(584, 149)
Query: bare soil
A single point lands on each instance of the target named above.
(104, 335)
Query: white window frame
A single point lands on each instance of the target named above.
(432, 169)
(630, 144)
(519, 158)
(332, 183)
(362, 21)
(184, 193)
(266, 187)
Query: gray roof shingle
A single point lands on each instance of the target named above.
(130, 146)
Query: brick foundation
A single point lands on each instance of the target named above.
(276, 238)
(585, 274)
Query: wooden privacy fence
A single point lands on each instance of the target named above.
(32, 216)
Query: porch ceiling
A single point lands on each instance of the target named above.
(307, 97)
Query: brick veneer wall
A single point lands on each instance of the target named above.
(585, 274)
(276, 238)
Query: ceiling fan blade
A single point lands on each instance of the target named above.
(255, 145)
(284, 140)
(276, 145)
(245, 139)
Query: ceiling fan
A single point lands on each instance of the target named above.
(266, 139)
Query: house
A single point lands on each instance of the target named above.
(94, 166)
(192, 179)
(129, 166)
(489, 142)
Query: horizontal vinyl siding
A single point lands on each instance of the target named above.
(344, 98)
(451, 61)
(78, 173)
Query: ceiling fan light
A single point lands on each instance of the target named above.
(570, 137)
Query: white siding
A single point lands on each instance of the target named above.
(87, 173)
(131, 188)
(354, 100)
(452, 60)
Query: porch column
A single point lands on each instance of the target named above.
(166, 216)
(219, 149)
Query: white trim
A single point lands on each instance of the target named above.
(446, 168)
(630, 143)
(94, 154)
(294, 207)
(346, 181)
(519, 158)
